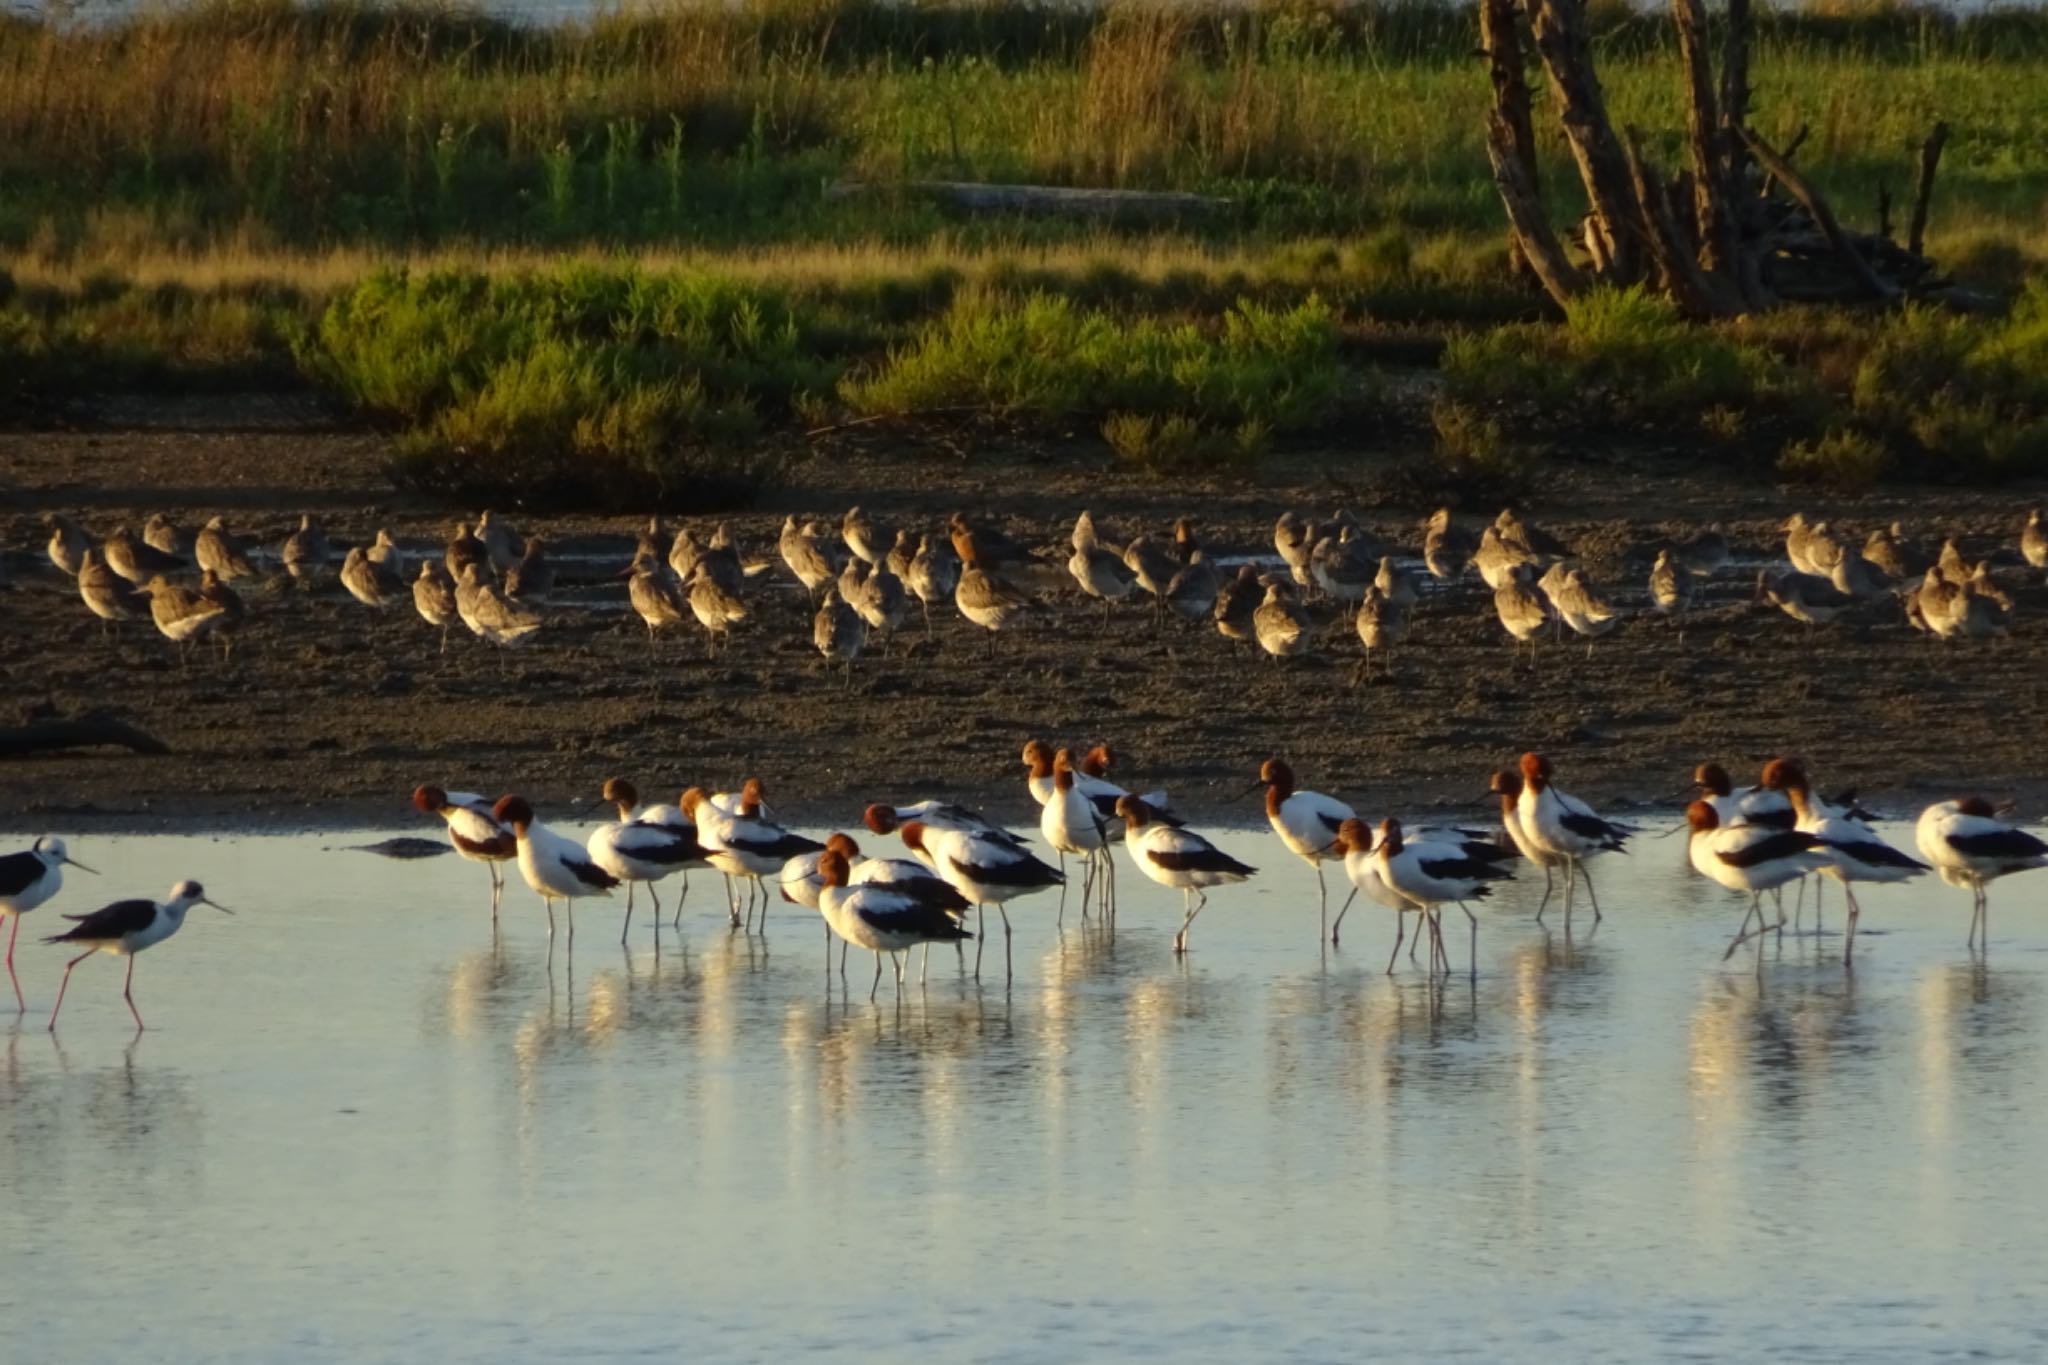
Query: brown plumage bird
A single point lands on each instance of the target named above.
(1236, 602)
(217, 549)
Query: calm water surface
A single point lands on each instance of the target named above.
(359, 1128)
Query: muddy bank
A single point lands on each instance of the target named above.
(330, 712)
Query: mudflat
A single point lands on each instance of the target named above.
(328, 712)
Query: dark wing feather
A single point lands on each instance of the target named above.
(1463, 869)
(589, 873)
(680, 847)
(1779, 844)
(1593, 827)
(2003, 843)
(1486, 851)
(1024, 871)
(18, 872)
(1876, 853)
(108, 923)
(504, 847)
(1331, 823)
(784, 845)
(1202, 858)
(924, 921)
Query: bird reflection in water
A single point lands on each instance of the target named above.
(1982, 1015)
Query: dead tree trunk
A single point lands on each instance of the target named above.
(1718, 240)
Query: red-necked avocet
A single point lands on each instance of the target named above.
(1178, 858)
(554, 865)
(880, 919)
(1755, 806)
(639, 852)
(1432, 875)
(27, 880)
(473, 830)
(881, 818)
(1565, 826)
(1444, 842)
(1354, 844)
(124, 929)
(744, 843)
(1971, 847)
(1507, 785)
(986, 870)
(801, 882)
(1855, 852)
(1307, 822)
(1072, 824)
(1751, 858)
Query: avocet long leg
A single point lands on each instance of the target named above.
(1475, 938)
(1400, 932)
(1855, 913)
(1591, 894)
(1336, 928)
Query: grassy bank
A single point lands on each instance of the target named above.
(606, 259)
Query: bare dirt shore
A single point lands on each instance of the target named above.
(329, 712)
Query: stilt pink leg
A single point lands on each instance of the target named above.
(128, 993)
(20, 1005)
(66, 982)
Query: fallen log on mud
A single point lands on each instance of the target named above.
(85, 732)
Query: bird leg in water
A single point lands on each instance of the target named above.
(1345, 909)
(1400, 932)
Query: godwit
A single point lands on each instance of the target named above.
(1497, 561)
(988, 602)
(1396, 584)
(305, 551)
(384, 553)
(232, 611)
(1294, 538)
(1808, 599)
(1854, 851)
(1670, 583)
(1522, 609)
(160, 533)
(27, 880)
(124, 929)
(554, 865)
(717, 608)
(1855, 576)
(1971, 847)
(880, 919)
(369, 583)
(1237, 602)
(181, 615)
(487, 612)
(1099, 570)
(1583, 608)
(2034, 541)
(1749, 858)
(868, 539)
(532, 579)
(639, 852)
(1565, 826)
(656, 596)
(934, 573)
(1191, 592)
(1532, 540)
(69, 543)
(108, 595)
(875, 594)
(1706, 553)
(217, 549)
(1891, 550)
(433, 597)
(838, 632)
(1343, 564)
(1808, 546)
(1153, 564)
(474, 831)
(1381, 624)
(986, 870)
(1446, 548)
(501, 542)
(806, 557)
(743, 843)
(465, 550)
(1431, 875)
(1280, 624)
(135, 560)
(1179, 858)
(1307, 823)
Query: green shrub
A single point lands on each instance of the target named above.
(1841, 458)
(1180, 443)
(1042, 358)
(1970, 393)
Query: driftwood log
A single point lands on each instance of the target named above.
(1058, 200)
(85, 732)
(1738, 228)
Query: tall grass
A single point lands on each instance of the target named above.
(720, 124)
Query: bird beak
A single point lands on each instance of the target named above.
(80, 866)
(216, 905)
(1249, 790)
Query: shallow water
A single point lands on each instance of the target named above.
(359, 1129)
